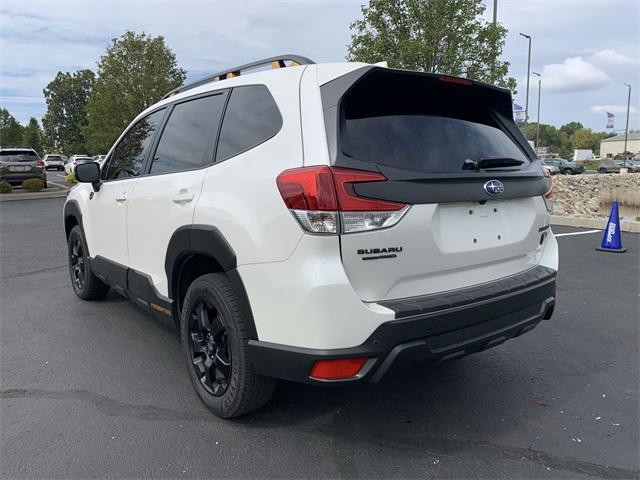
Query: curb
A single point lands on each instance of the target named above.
(586, 222)
(12, 197)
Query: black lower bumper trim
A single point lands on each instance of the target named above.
(432, 335)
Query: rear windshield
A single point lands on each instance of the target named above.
(54, 158)
(422, 125)
(18, 156)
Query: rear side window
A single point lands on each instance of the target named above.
(252, 117)
(189, 135)
(422, 124)
(128, 157)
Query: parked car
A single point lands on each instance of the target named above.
(74, 160)
(53, 161)
(565, 166)
(398, 223)
(100, 159)
(614, 166)
(552, 169)
(18, 164)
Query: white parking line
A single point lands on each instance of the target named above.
(576, 233)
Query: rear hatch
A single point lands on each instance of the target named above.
(19, 161)
(449, 149)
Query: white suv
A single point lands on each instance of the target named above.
(320, 224)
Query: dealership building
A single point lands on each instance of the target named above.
(610, 147)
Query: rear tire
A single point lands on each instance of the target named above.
(602, 170)
(215, 346)
(84, 282)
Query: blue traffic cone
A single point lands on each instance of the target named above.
(612, 240)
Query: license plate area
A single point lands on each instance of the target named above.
(473, 226)
(19, 169)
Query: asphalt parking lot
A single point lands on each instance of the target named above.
(99, 389)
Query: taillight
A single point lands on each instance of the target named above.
(323, 200)
(40, 163)
(548, 196)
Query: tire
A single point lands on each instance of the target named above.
(215, 346)
(567, 171)
(89, 287)
(602, 170)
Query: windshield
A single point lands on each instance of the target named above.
(54, 158)
(18, 156)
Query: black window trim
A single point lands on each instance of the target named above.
(211, 148)
(224, 114)
(107, 161)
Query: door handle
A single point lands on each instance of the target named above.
(122, 197)
(182, 198)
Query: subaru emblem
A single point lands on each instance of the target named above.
(494, 188)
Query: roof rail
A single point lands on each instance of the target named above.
(278, 61)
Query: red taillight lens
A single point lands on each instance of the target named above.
(309, 188)
(40, 163)
(348, 199)
(549, 192)
(337, 369)
(323, 200)
(459, 81)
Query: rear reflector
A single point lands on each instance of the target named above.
(337, 369)
(323, 200)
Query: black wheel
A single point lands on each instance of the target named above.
(567, 171)
(214, 341)
(86, 285)
(602, 170)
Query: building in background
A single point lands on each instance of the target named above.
(612, 146)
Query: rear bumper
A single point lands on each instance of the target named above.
(432, 328)
(18, 178)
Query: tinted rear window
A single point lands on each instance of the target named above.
(422, 124)
(187, 140)
(52, 158)
(252, 117)
(18, 156)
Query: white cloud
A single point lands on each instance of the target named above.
(610, 57)
(572, 75)
(619, 109)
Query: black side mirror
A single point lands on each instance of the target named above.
(88, 172)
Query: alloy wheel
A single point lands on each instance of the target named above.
(77, 263)
(209, 348)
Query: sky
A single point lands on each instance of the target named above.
(585, 50)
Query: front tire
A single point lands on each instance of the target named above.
(215, 346)
(84, 282)
(602, 170)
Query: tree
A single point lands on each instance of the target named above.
(32, 135)
(436, 36)
(67, 96)
(10, 129)
(586, 138)
(135, 72)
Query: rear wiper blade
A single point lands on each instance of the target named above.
(492, 162)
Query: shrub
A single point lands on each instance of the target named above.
(33, 185)
(71, 178)
(5, 187)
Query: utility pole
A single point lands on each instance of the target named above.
(538, 121)
(626, 129)
(495, 12)
(526, 105)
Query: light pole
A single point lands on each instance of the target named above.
(626, 129)
(538, 121)
(495, 11)
(526, 105)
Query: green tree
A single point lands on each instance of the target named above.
(586, 138)
(32, 135)
(570, 128)
(436, 36)
(67, 96)
(10, 129)
(135, 72)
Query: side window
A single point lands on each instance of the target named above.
(188, 137)
(127, 159)
(252, 117)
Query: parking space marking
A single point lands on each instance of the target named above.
(576, 233)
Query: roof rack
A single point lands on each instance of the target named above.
(278, 61)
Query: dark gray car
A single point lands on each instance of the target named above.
(20, 164)
(565, 166)
(614, 166)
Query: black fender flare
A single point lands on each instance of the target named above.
(206, 240)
